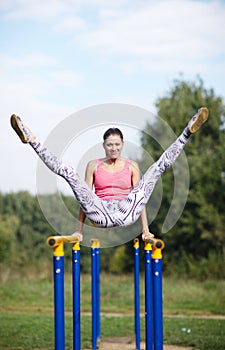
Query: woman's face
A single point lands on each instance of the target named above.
(113, 146)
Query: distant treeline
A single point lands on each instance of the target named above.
(23, 248)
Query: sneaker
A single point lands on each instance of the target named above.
(198, 120)
(21, 129)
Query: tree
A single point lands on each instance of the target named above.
(200, 228)
(8, 245)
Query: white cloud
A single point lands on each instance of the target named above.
(31, 60)
(66, 78)
(71, 24)
(53, 9)
(27, 91)
(150, 32)
(162, 32)
(32, 9)
(37, 73)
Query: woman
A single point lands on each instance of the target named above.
(113, 177)
(118, 203)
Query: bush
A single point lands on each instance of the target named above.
(119, 261)
(186, 265)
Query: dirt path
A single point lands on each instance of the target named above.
(126, 343)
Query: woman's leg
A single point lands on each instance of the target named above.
(100, 213)
(89, 202)
(92, 206)
(131, 207)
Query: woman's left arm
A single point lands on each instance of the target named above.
(144, 220)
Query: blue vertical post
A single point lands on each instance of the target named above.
(94, 295)
(137, 293)
(98, 290)
(76, 295)
(148, 296)
(157, 295)
(58, 266)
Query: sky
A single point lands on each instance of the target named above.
(58, 57)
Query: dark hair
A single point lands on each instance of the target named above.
(112, 131)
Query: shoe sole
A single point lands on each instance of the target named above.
(200, 119)
(16, 126)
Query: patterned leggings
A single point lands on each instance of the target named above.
(109, 213)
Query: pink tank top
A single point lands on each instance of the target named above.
(112, 185)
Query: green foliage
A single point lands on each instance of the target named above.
(118, 262)
(23, 233)
(185, 264)
(8, 227)
(200, 230)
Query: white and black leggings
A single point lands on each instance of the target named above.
(108, 213)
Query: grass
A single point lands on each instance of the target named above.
(35, 331)
(26, 306)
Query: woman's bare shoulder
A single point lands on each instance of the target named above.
(134, 166)
(92, 164)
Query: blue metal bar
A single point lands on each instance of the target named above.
(158, 302)
(94, 299)
(98, 290)
(148, 297)
(58, 266)
(137, 293)
(76, 296)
